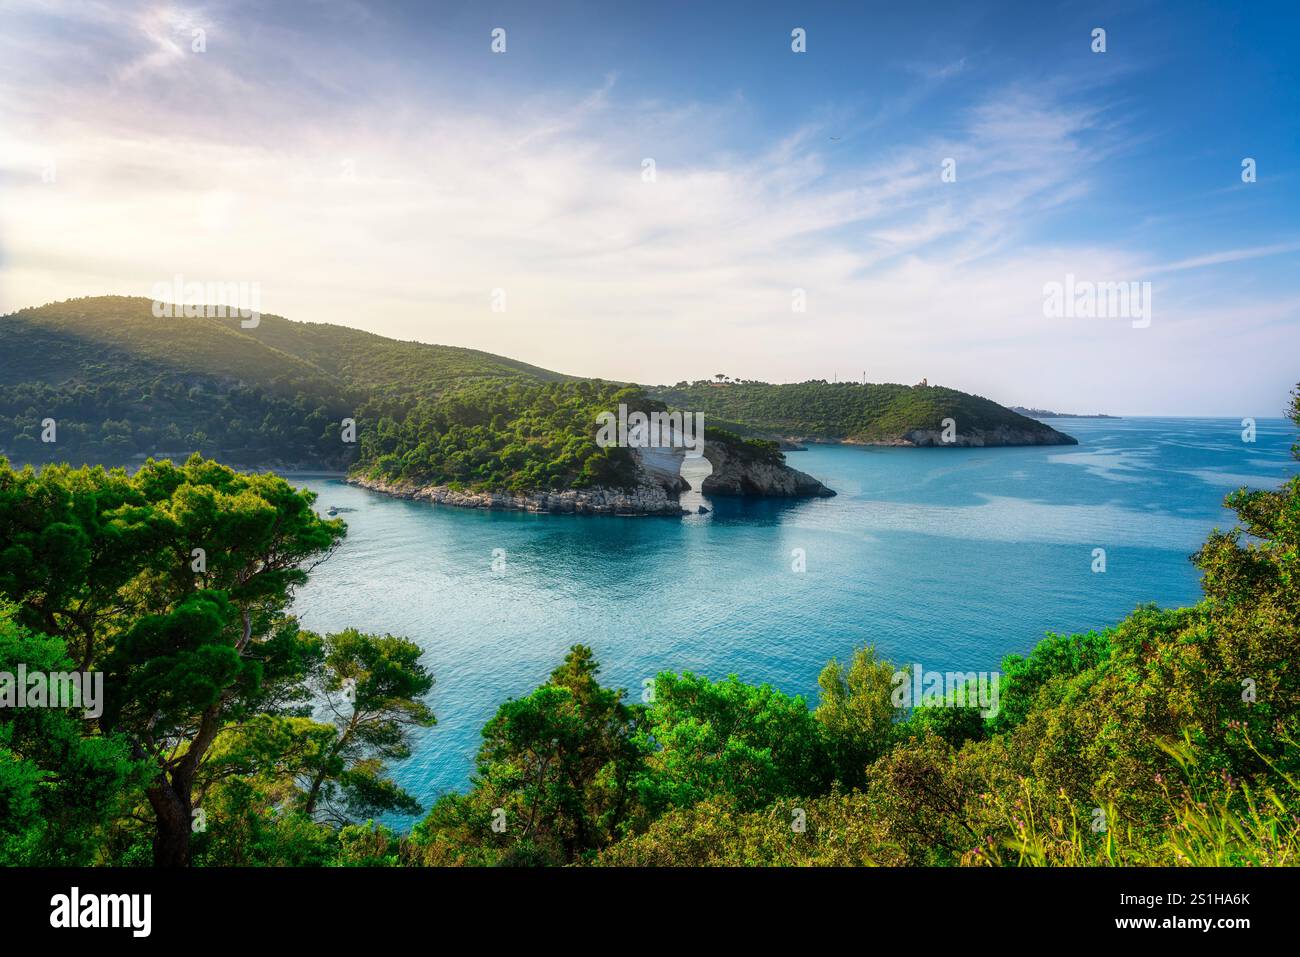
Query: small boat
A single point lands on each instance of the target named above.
(332, 510)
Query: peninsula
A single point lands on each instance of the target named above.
(104, 380)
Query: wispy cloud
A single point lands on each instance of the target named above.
(363, 203)
(1228, 256)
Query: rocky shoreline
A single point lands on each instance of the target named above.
(979, 438)
(985, 438)
(647, 498)
(656, 492)
(736, 475)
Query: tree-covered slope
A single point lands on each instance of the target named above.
(389, 366)
(95, 339)
(850, 412)
(104, 339)
(120, 383)
(503, 436)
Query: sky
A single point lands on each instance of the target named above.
(649, 192)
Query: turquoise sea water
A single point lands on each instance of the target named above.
(947, 557)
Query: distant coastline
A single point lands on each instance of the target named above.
(1048, 414)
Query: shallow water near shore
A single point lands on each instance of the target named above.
(951, 558)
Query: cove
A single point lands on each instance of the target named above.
(948, 557)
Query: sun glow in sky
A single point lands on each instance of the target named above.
(379, 166)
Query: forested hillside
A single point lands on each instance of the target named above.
(121, 384)
(849, 411)
(502, 435)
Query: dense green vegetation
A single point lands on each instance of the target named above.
(842, 411)
(88, 340)
(121, 384)
(508, 436)
(173, 584)
(165, 416)
(230, 735)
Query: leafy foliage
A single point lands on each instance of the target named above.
(555, 776)
(513, 437)
(173, 582)
(59, 787)
(749, 744)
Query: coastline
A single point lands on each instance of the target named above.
(932, 438)
(647, 499)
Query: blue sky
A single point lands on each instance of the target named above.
(378, 165)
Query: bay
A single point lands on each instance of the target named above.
(951, 558)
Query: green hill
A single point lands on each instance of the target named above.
(388, 366)
(92, 340)
(95, 341)
(122, 384)
(820, 411)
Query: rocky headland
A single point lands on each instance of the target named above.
(737, 474)
(656, 492)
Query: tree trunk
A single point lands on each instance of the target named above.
(172, 812)
(172, 793)
(171, 796)
(313, 794)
